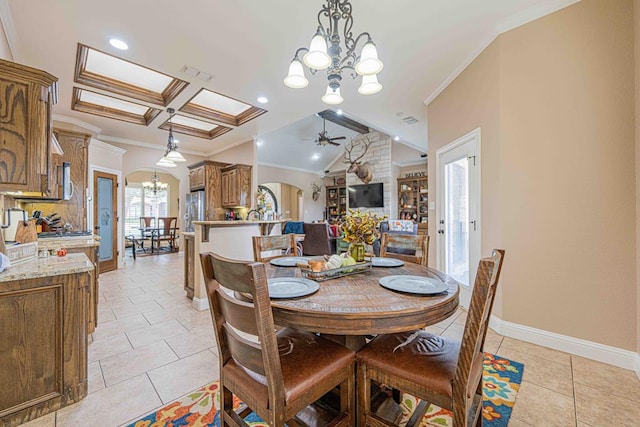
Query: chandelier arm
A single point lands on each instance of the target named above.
(345, 9)
(353, 73)
(297, 54)
(325, 11)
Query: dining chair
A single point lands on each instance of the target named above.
(278, 375)
(434, 369)
(400, 246)
(167, 232)
(285, 244)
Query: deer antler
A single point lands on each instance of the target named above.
(354, 143)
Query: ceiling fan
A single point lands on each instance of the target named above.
(323, 137)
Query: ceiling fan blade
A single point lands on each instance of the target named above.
(338, 137)
(334, 143)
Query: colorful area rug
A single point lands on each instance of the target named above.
(502, 379)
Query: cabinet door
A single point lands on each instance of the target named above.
(196, 178)
(229, 188)
(189, 261)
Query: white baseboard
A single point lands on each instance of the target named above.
(200, 304)
(602, 353)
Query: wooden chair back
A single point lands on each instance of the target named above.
(252, 318)
(285, 244)
(469, 370)
(146, 221)
(167, 226)
(278, 375)
(407, 242)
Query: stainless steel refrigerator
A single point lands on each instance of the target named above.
(194, 209)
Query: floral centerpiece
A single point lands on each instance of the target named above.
(360, 228)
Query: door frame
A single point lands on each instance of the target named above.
(475, 201)
(119, 200)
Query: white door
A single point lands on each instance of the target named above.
(458, 212)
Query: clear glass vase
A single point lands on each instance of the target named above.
(357, 250)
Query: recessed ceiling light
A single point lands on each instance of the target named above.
(396, 138)
(118, 44)
(339, 112)
(259, 142)
(315, 156)
(263, 99)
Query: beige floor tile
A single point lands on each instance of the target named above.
(446, 322)
(163, 315)
(454, 331)
(583, 424)
(536, 350)
(542, 372)
(111, 406)
(596, 407)
(95, 380)
(134, 362)
(514, 422)
(101, 348)
(437, 330)
(105, 314)
(606, 378)
(492, 342)
(178, 378)
(48, 420)
(134, 309)
(195, 320)
(115, 302)
(192, 342)
(154, 333)
(542, 407)
(118, 292)
(119, 326)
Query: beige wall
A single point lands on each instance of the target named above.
(5, 50)
(554, 101)
(312, 210)
(636, 16)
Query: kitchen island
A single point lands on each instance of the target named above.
(43, 357)
(231, 239)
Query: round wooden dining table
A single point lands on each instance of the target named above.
(356, 306)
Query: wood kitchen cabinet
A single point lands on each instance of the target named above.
(189, 264)
(236, 186)
(27, 95)
(76, 151)
(196, 178)
(207, 176)
(44, 352)
(94, 289)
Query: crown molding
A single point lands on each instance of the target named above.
(273, 165)
(507, 24)
(407, 163)
(77, 122)
(105, 146)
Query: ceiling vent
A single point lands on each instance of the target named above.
(193, 72)
(409, 120)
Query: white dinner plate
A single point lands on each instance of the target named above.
(414, 284)
(386, 262)
(289, 261)
(291, 287)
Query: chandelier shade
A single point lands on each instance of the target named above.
(332, 96)
(333, 47)
(296, 79)
(175, 156)
(369, 85)
(369, 63)
(164, 162)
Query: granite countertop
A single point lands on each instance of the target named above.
(56, 243)
(239, 222)
(49, 266)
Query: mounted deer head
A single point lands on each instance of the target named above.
(364, 171)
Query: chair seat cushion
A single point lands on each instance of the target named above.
(427, 360)
(293, 227)
(306, 360)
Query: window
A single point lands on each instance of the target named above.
(139, 202)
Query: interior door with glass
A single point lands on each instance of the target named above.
(458, 214)
(105, 220)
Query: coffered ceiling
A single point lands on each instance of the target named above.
(242, 48)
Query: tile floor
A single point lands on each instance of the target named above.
(150, 348)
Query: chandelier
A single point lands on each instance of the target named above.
(171, 155)
(155, 185)
(325, 52)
